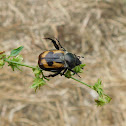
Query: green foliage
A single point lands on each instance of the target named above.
(1, 63)
(68, 74)
(38, 81)
(15, 61)
(37, 72)
(16, 51)
(77, 69)
(98, 87)
(103, 98)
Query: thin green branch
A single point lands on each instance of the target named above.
(81, 82)
(21, 64)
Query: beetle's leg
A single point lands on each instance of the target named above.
(74, 72)
(60, 44)
(53, 75)
(54, 43)
(64, 71)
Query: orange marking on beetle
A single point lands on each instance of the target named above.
(43, 55)
(55, 65)
(44, 63)
(57, 51)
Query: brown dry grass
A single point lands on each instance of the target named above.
(93, 28)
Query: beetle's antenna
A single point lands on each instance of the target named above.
(60, 44)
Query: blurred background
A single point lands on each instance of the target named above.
(95, 29)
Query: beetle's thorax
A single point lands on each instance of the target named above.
(71, 60)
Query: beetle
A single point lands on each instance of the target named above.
(58, 60)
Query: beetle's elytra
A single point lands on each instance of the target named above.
(58, 60)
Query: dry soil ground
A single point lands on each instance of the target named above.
(95, 29)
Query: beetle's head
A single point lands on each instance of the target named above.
(72, 60)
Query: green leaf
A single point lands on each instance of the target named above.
(68, 74)
(2, 63)
(100, 101)
(103, 100)
(78, 69)
(98, 87)
(37, 72)
(38, 82)
(15, 52)
(82, 66)
(17, 59)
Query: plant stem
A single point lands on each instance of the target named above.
(81, 82)
(21, 64)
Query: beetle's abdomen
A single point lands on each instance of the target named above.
(50, 60)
